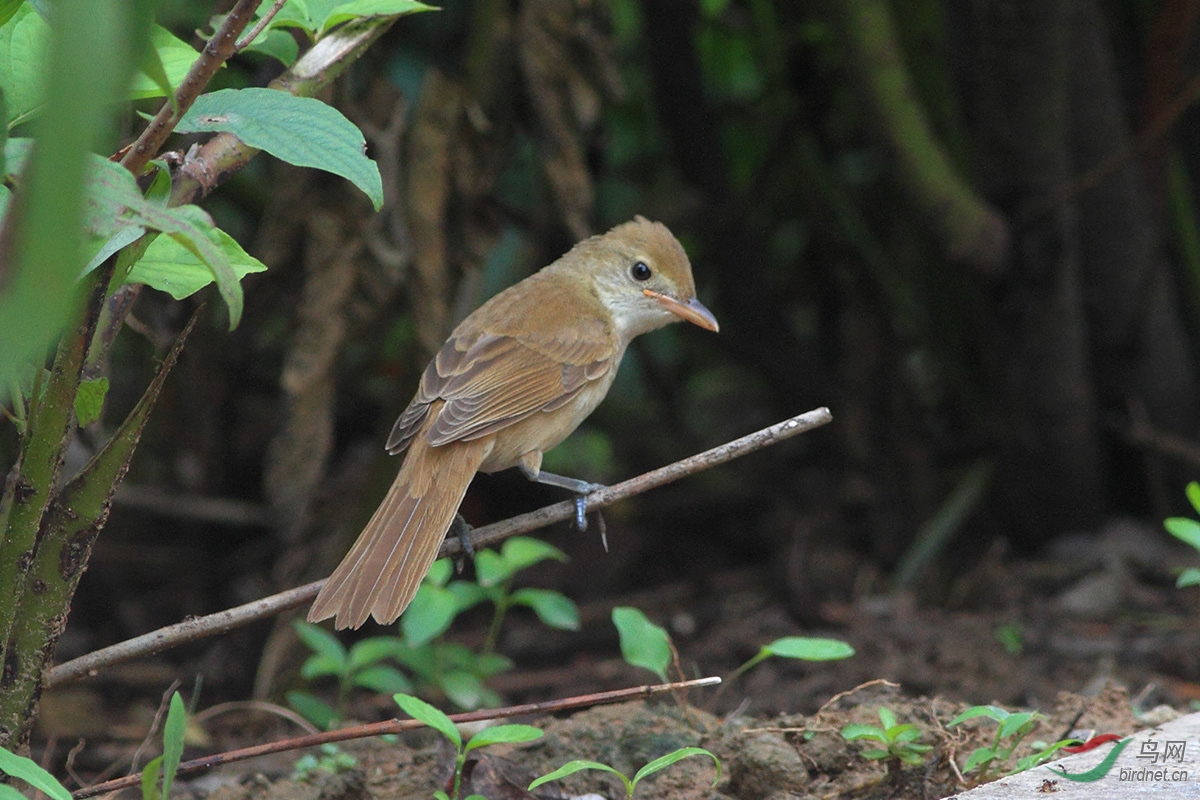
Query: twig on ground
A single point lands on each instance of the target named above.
(400, 725)
(485, 536)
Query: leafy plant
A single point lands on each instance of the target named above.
(30, 772)
(167, 764)
(571, 767)
(895, 741)
(495, 572)
(1187, 530)
(358, 667)
(800, 647)
(509, 734)
(331, 761)
(1011, 730)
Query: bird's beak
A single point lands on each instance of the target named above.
(693, 310)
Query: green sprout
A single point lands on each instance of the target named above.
(509, 734)
(1011, 730)
(656, 765)
(1187, 530)
(895, 742)
(332, 761)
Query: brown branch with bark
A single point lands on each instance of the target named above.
(223, 621)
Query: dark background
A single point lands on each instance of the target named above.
(966, 228)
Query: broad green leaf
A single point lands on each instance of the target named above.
(465, 689)
(423, 712)
(491, 569)
(27, 770)
(571, 767)
(486, 665)
(981, 756)
(9, 793)
(467, 594)
(552, 608)
(313, 709)
(276, 44)
(856, 731)
(991, 712)
(89, 400)
(174, 56)
(319, 640)
(520, 552)
(300, 130)
(22, 63)
(643, 644)
(382, 679)
(322, 665)
(371, 8)
(372, 650)
(1193, 495)
(810, 649)
(678, 755)
(1184, 529)
(428, 615)
(7, 9)
(172, 268)
(173, 730)
(294, 14)
(503, 734)
(1015, 722)
(440, 572)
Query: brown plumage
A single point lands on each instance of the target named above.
(514, 379)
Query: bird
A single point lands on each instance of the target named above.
(514, 379)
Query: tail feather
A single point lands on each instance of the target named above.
(384, 568)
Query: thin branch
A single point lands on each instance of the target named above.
(224, 621)
(400, 725)
(219, 49)
(246, 40)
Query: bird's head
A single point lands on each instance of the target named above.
(642, 275)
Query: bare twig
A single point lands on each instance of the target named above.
(216, 52)
(245, 41)
(400, 725)
(224, 621)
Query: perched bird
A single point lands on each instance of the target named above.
(514, 379)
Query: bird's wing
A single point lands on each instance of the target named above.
(490, 381)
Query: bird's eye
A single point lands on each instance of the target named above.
(639, 271)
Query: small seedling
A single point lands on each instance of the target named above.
(1011, 730)
(358, 667)
(167, 764)
(1187, 530)
(495, 572)
(510, 734)
(896, 742)
(643, 644)
(571, 767)
(332, 761)
(801, 647)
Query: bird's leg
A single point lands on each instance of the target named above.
(531, 467)
(462, 530)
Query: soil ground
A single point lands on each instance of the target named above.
(1092, 634)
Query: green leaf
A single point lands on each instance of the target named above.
(1184, 529)
(7, 9)
(643, 644)
(1016, 722)
(876, 754)
(27, 770)
(503, 734)
(150, 775)
(552, 608)
(428, 615)
(9, 793)
(467, 594)
(313, 709)
(571, 767)
(173, 730)
(1189, 577)
(991, 712)
(521, 552)
(810, 649)
(383, 679)
(670, 758)
(887, 717)
(320, 640)
(486, 665)
(1193, 495)
(89, 400)
(983, 755)
(276, 44)
(300, 130)
(373, 650)
(855, 731)
(440, 572)
(322, 665)
(423, 712)
(465, 689)
(491, 569)
(372, 8)
(23, 40)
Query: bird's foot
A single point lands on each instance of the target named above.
(462, 530)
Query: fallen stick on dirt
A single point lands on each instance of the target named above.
(400, 725)
(223, 621)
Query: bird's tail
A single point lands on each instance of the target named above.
(382, 571)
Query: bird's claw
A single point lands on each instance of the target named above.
(460, 529)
